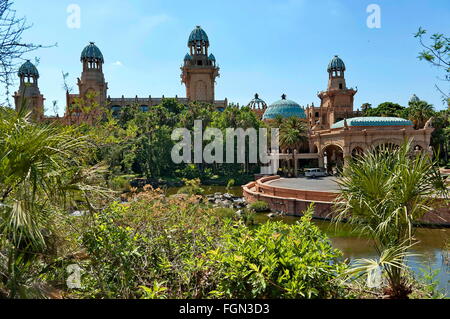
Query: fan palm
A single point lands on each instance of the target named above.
(43, 169)
(383, 194)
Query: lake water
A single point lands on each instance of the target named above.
(431, 247)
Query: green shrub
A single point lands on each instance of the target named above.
(150, 248)
(259, 206)
(192, 187)
(121, 183)
(276, 260)
(159, 247)
(115, 253)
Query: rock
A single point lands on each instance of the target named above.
(239, 202)
(227, 203)
(227, 196)
(272, 215)
(239, 213)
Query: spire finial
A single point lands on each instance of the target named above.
(283, 97)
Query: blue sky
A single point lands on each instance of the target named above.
(264, 46)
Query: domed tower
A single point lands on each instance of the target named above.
(29, 91)
(414, 99)
(336, 71)
(258, 106)
(199, 71)
(92, 77)
(337, 101)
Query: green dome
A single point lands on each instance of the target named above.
(212, 57)
(187, 57)
(28, 69)
(414, 99)
(198, 34)
(92, 52)
(284, 108)
(336, 64)
(373, 121)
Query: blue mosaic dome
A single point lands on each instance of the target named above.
(198, 34)
(373, 121)
(28, 69)
(414, 99)
(336, 64)
(284, 108)
(92, 52)
(187, 57)
(212, 57)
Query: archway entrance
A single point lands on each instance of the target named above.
(357, 152)
(333, 159)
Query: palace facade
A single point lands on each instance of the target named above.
(335, 131)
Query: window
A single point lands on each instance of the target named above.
(340, 86)
(116, 111)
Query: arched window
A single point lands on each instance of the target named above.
(116, 110)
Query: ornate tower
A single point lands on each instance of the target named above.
(29, 94)
(199, 71)
(92, 77)
(337, 100)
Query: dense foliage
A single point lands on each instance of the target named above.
(179, 248)
(43, 170)
(277, 260)
(139, 143)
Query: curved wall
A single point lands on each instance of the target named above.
(294, 202)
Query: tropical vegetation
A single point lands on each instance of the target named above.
(383, 194)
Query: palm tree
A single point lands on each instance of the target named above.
(420, 112)
(293, 133)
(43, 169)
(383, 194)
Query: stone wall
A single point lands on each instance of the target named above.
(294, 202)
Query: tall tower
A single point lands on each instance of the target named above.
(92, 77)
(337, 100)
(29, 94)
(199, 71)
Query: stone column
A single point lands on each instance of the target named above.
(288, 166)
(295, 164)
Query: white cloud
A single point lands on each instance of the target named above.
(118, 63)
